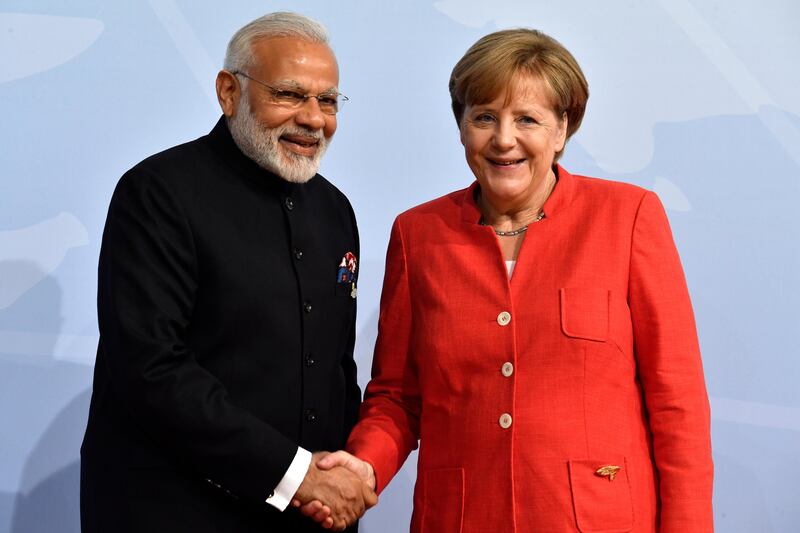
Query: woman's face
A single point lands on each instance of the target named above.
(510, 142)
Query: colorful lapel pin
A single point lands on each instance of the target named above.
(347, 272)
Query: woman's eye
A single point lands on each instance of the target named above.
(483, 118)
(527, 121)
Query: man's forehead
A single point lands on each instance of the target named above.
(291, 48)
(295, 60)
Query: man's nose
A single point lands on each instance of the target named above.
(310, 115)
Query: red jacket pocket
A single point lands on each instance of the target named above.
(444, 500)
(584, 313)
(601, 495)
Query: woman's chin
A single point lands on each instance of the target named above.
(506, 191)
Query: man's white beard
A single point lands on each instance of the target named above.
(261, 144)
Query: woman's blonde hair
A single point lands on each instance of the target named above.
(491, 64)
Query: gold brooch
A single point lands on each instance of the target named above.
(609, 471)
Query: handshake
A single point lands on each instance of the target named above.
(337, 490)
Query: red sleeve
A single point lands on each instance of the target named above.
(389, 425)
(671, 372)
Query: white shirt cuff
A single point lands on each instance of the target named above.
(291, 481)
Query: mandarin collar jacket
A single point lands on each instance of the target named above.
(226, 340)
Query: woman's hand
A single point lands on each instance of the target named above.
(361, 468)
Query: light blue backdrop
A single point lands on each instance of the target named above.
(696, 100)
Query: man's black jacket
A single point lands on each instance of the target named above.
(226, 340)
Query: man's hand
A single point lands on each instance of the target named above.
(317, 510)
(337, 495)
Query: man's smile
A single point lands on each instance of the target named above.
(300, 144)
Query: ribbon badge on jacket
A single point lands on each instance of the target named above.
(347, 272)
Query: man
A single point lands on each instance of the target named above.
(226, 334)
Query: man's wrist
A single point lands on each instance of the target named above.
(291, 480)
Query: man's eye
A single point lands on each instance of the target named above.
(289, 96)
(328, 101)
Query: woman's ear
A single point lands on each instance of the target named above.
(563, 124)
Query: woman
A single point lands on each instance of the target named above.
(536, 333)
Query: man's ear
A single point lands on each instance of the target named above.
(228, 92)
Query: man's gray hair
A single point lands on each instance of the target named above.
(239, 55)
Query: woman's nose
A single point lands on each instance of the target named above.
(504, 137)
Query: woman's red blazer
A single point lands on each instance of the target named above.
(568, 398)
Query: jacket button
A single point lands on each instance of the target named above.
(310, 415)
(310, 360)
(298, 253)
(504, 318)
(507, 369)
(289, 203)
(307, 307)
(505, 421)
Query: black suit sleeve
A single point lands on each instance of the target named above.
(148, 281)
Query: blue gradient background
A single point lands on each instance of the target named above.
(695, 99)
